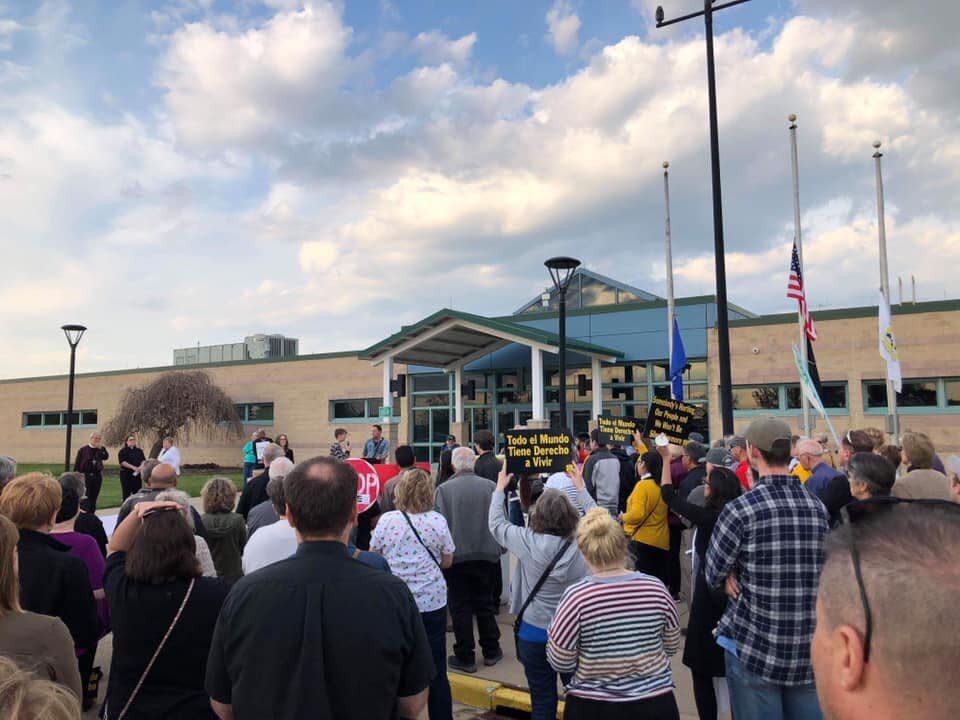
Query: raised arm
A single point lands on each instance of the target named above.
(123, 536)
(504, 532)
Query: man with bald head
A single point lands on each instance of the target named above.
(157, 477)
(810, 456)
(898, 660)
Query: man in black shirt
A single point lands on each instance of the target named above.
(255, 491)
(319, 635)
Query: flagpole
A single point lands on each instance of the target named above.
(804, 402)
(893, 422)
(669, 251)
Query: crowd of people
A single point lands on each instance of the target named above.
(819, 583)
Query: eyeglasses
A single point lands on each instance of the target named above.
(856, 512)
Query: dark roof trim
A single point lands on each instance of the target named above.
(850, 313)
(626, 307)
(194, 366)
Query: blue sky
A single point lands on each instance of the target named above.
(198, 170)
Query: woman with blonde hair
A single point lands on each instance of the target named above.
(615, 631)
(226, 529)
(24, 696)
(416, 541)
(37, 642)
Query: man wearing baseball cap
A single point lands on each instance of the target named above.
(767, 550)
(737, 445)
(810, 456)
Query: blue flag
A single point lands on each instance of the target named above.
(678, 363)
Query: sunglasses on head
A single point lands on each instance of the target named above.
(857, 512)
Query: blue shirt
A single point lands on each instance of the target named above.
(376, 449)
(772, 538)
(378, 562)
(819, 479)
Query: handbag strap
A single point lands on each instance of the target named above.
(541, 581)
(163, 642)
(429, 552)
(642, 522)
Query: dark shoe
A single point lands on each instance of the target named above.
(491, 661)
(455, 663)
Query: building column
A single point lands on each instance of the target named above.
(387, 394)
(597, 388)
(536, 378)
(458, 394)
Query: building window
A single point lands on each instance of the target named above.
(359, 409)
(756, 397)
(918, 395)
(832, 395)
(38, 419)
(255, 413)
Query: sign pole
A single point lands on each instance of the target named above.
(669, 253)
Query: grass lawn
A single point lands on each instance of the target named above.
(191, 481)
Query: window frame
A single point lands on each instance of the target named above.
(245, 416)
(782, 410)
(367, 418)
(62, 419)
(941, 408)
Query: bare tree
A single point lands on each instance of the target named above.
(182, 404)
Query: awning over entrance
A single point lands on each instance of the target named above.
(450, 339)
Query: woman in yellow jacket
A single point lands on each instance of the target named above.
(645, 519)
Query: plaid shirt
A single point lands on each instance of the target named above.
(772, 539)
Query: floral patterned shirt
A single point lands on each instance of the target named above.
(409, 560)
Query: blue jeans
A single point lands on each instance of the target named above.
(541, 678)
(753, 698)
(440, 702)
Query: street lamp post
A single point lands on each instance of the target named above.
(73, 333)
(723, 328)
(561, 272)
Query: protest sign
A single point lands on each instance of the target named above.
(617, 428)
(368, 483)
(670, 417)
(388, 471)
(537, 451)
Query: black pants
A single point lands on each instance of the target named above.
(651, 560)
(93, 481)
(470, 587)
(704, 696)
(661, 707)
(673, 566)
(129, 483)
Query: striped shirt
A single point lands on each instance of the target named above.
(615, 635)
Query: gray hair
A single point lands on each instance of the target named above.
(463, 458)
(275, 493)
(280, 467)
(181, 499)
(8, 469)
(73, 481)
(272, 452)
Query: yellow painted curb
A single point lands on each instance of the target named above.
(490, 694)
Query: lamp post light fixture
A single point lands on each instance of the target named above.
(561, 272)
(73, 333)
(723, 328)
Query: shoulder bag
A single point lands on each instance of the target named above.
(533, 593)
(156, 654)
(420, 539)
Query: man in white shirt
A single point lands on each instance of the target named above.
(170, 455)
(273, 542)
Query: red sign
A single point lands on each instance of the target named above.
(368, 483)
(388, 471)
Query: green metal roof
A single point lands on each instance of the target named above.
(458, 342)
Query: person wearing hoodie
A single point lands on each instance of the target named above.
(544, 548)
(601, 473)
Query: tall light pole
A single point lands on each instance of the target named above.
(723, 328)
(73, 333)
(561, 271)
(893, 420)
(668, 245)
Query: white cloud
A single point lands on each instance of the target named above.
(8, 28)
(563, 26)
(435, 48)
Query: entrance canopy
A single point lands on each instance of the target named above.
(450, 339)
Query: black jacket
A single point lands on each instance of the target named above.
(694, 477)
(254, 493)
(487, 466)
(54, 582)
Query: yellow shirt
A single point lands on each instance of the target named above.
(800, 473)
(645, 505)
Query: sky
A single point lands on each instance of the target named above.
(194, 171)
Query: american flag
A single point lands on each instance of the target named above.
(795, 291)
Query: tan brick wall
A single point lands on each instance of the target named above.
(846, 349)
(300, 391)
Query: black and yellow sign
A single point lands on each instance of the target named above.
(531, 452)
(670, 417)
(617, 428)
